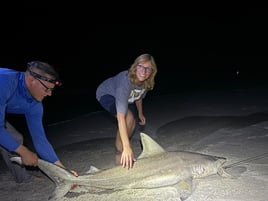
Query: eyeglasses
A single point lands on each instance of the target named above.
(147, 70)
(47, 89)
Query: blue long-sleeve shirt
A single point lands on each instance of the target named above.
(15, 98)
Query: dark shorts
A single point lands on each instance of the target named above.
(108, 103)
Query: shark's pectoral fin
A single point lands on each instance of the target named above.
(184, 188)
(92, 170)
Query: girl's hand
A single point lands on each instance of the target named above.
(142, 119)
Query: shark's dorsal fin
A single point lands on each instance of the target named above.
(150, 147)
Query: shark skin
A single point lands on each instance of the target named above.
(155, 168)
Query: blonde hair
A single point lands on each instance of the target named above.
(148, 83)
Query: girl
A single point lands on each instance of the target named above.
(122, 95)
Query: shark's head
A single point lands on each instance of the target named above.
(208, 167)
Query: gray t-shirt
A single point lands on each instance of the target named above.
(122, 89)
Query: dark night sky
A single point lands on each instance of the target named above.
(192, 47)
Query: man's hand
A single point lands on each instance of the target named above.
(28, 157)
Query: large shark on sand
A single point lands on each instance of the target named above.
(155, 168)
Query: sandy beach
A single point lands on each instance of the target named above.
(227, 123)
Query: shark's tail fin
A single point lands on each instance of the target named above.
(17, 160)
(62, 178)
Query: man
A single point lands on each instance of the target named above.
(22, 93)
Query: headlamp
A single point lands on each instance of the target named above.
(45, 68)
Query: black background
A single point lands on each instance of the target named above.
(196, 48)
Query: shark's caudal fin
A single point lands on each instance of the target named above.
(17, 160)
(150, 147)
(61, 177)
(53, 171)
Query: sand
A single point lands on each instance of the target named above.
(232, 124)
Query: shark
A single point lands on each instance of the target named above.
(155, 168)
